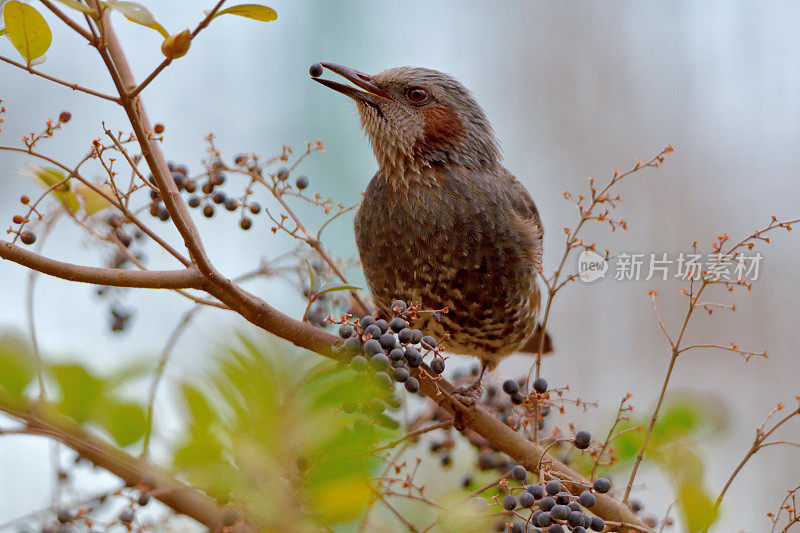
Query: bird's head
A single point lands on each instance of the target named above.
(417, 117)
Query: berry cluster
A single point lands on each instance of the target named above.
(391, 349)
(551, 506)
(205, 191)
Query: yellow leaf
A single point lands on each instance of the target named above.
(74, 4)
(27, 30)
(251, 11)
(92, 201)
(51, 178)
(177, 45)
(139, 14)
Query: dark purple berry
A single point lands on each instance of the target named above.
(315, 70)
(208, 211)
(397, 354)
(401, 374)
(543, 519)
(601, 485)
(526, 499)
(371, 347)
(374, 331)
(282, 174)
(519, 473)
(398, 306)
(587, 499)
(437, 365)
(540, 385)
(416, 336)
(405, 336)
(366, 321)
(552, 487)
(582, 439)
(246, 223)
(597, 524)
(509, 502)
(547, 503)
(536, 491)
(193, 201)
(510, 386)
(381, 323)
(559, 512)
(255, 208)
(346, 331)
(398, 324)
(428, 342)
(388, 341)
(412, 385)
(301, 182)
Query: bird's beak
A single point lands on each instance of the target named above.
(360, 79)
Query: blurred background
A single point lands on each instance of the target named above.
(573, 90)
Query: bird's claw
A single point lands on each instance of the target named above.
(469, 395)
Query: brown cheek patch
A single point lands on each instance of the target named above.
(442, 125)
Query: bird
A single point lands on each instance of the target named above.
(442, 222)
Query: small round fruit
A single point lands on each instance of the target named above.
(301, 182)
(587, 499)
(412, 385)
(601, 485)
(282, 174)
(437, 365)
(65, 117)
(27, 237)
(158, 128)
(246, 223)
(510, 386)
(583, 439)
(540, 385)
(315, 70)
(346, 331)
(509, 502)
(208, 211)
(552, 487)
(526, 499)
(519, 473)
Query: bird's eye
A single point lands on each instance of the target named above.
(416, 95)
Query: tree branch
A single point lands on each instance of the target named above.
(73, 86)
(180, 497)
(188, 278)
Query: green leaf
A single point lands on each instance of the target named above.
(74, 4)
(27, 30)
(313, 279)
(333, 287)
(81, 391)
(51, 177)
(139, 14)
(124, 421)
(93, 202)
(251, 11)
(200, 410)
(17, 365)
(697, 507)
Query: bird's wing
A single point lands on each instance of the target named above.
(525, 212)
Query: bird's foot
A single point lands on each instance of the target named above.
(469, 395)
